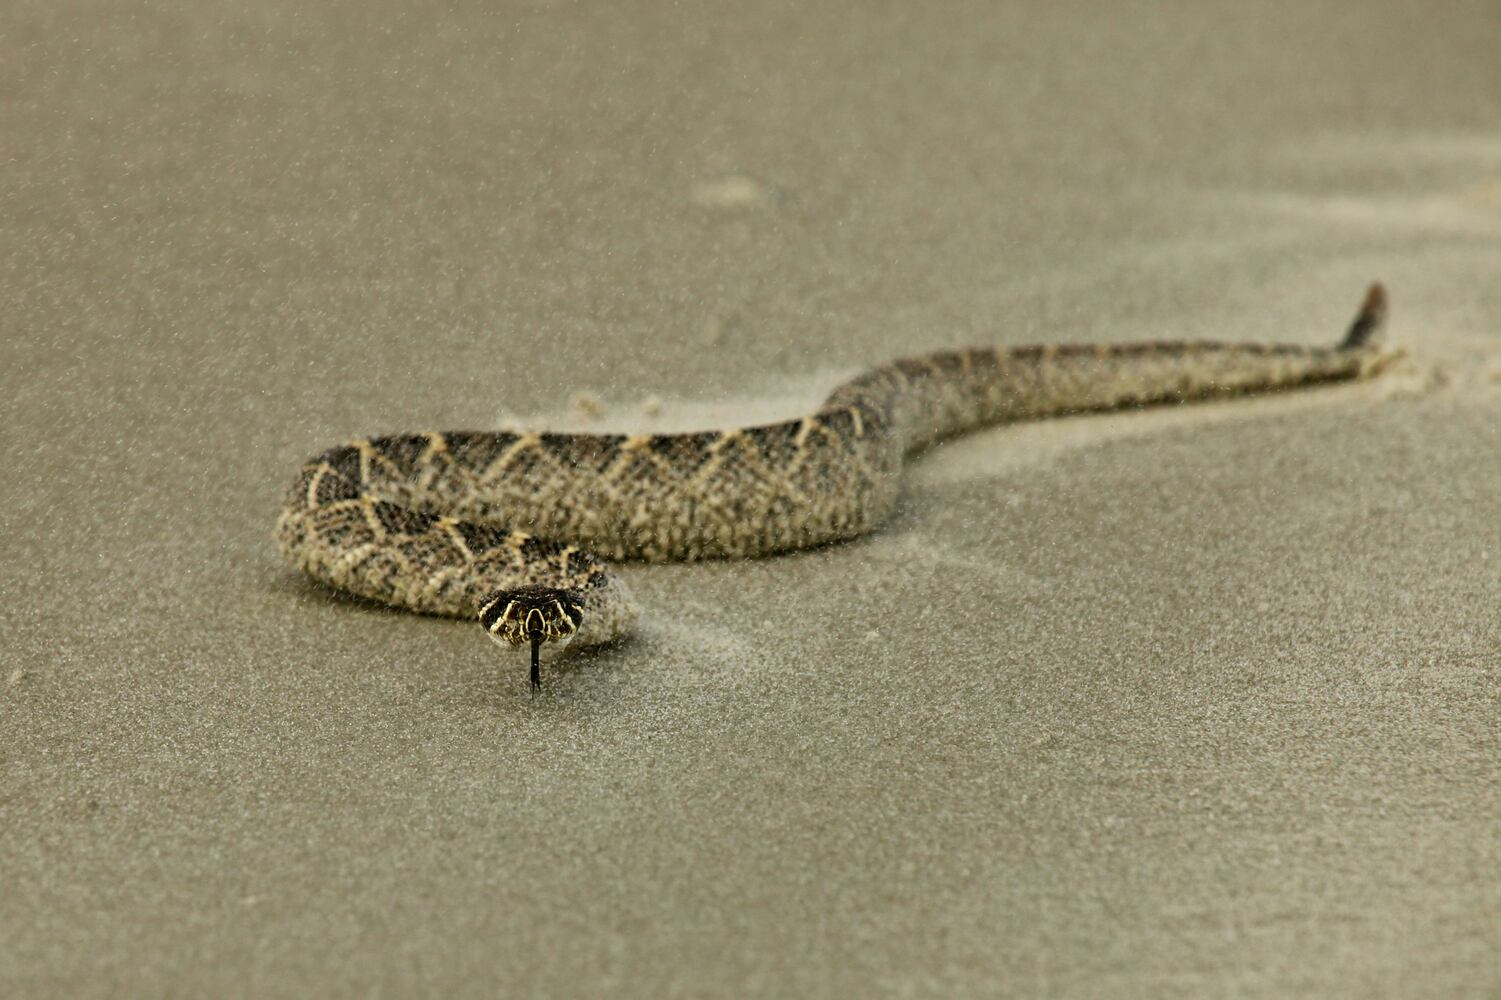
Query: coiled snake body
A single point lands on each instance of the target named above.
(513, 527)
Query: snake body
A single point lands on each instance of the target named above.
(514, 528)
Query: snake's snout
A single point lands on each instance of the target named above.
(518, 616)
(532, 615)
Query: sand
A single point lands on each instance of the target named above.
(1193, 703)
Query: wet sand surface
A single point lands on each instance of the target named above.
(1197, 702)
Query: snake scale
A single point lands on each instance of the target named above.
(514, 528)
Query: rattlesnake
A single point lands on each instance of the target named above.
(513, 527)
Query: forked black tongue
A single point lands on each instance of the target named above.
(536, 663)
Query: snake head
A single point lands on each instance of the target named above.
(532, 615)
